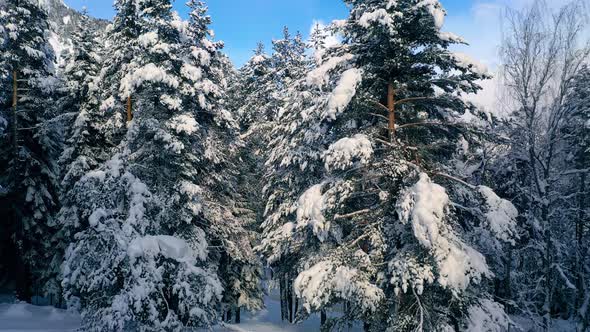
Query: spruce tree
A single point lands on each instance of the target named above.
(253, 90)
(83, 149)
(232, 229)
(119, 48)
(29, 169)
(161, 209)
(576, 159)
(362, 208)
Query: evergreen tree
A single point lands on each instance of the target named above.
(577, 135)
(83, 149)
(253, 90)
(260, 100)
(29, 171)
(120, 45)
(289, 60)
(231, 229)
(161, 209)
(353, 211)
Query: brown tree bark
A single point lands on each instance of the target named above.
(129, 109)
(391, 107)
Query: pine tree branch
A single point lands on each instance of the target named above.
(427, 123)
(450, 177)
(412, 99)
(351, 215)
(379, 116)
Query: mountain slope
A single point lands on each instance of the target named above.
(63, 21)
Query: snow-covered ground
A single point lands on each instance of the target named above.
(22, 317)
(17, 317)
(269, 320)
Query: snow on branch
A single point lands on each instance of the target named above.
(325, 281)
(344, 152)
(319, 76)
(425, 206)
(310, 212)
(500, 216)
(148, 73)
(379, 16)
(343, 93)
(166, 246)
(465, 61)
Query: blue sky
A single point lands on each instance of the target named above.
(242, 23)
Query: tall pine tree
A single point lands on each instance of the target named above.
(161, 209)
(354, 213)
(83, 148)
(29, 169)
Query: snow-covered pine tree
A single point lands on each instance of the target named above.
(289, 60)
(232, 229)
(119, 44)
(353, 210)
(163, 240)
(84, 150)
(253, 89)
(259, 99)
(29, 169)
(317, 37)
(576, 160)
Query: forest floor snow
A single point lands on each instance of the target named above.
(24, 317)
(17, 317)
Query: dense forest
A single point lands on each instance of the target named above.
(151, 185)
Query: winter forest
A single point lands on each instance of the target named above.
(149, 184)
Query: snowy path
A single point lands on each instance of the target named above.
(269, 320)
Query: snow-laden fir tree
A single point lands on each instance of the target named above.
(263, 82)
(317, 37)
(29, 165)
(83, 150)
(259, 100)
(361, 209)
(118, 49)
(289, 60)
(577, 134)
(253, 89)
(164, 246)
(232, 228)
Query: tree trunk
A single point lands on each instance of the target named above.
(228, 315)
(391, 107)
(548, 260)
(296, 306)
(283, 297)
(238, 315)
(129, 109)
(508, 281)
(290, 299)
(323, 319)
(23, 284)
(580, 252)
